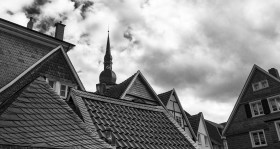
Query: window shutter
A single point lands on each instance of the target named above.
(265, 105)
(248, 110)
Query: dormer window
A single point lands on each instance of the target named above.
(63, 91)
(179, 120)
(61, 88)
(260, 85)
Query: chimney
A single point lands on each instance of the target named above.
(59, 31)
(101, 88)
(274, 72)
(30, 23)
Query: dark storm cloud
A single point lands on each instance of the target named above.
(45, 24)
(10, 12)
(35, 8)
(85, 5)
(127, 34)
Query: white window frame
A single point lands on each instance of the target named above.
(252, 138)
(270, 106)
(57, 87)
(277, 127)
(66, 90)
(252, 110)
(260, 85)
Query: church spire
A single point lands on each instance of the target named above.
(108, 76)
(108, 57)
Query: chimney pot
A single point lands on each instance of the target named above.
(59, 30)
(30, 23)
(274, 72)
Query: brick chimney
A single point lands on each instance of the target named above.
(59, 30)
(30, 23)
(274, 72)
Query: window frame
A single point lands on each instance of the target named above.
(270, 106)
(66, 90)
(252, 138)
(180, 123)
(277, 127)
(199, 141)
(260, 85)
(206, 141)
(252, 110)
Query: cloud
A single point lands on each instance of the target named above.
(203, 49)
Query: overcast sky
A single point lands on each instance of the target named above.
(203, 49)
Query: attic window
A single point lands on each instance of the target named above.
(59, 87)
(260, 85)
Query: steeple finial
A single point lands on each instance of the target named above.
(108, 57)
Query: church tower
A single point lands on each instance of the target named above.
(107, 77)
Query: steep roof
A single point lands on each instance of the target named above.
(117, 90)
(214, 133)
(253, 71)
(194, 120)
(133, 125)
(164, 97)
(37, 117)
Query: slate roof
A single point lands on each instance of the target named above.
(133, 125)
(117, 90)
(194, 120)
(164, 97)
(38, 117)
(214, 133)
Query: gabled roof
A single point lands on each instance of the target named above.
(165, 98)
(117, 90)
(18, 75)
(214, 133)
(255, 67)
(37, 117)
(134, 125)
(194, 120)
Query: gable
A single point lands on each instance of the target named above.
(201, 127)
(250, 95)
(16, 55)
(141, 90)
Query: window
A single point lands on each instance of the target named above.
(258, 138)
(179, 120)
(256, 108)
(277, 126)
(274, 103)
(63, 91)
(206, 140)
(199, 138)
(52, 84)
(260, 85)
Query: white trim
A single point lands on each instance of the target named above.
(252, 139)
(29, 69)
(255, 67)
(252, 109)
(270, 106)
(277, 129)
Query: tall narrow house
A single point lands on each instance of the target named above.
(255, 119)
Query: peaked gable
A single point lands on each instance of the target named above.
(170, 98)
(45, 66)
(194, 121)
(38, 117)
(256, 74)
(139, 90)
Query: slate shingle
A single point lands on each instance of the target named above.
(28, 121)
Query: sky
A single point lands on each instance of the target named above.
(203, 49)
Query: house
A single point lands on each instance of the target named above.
(172, 103)
(36, 75)
(129, 114)
(215, 134)
(200, 129)
(255, 119)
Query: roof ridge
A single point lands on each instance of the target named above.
(98, 97)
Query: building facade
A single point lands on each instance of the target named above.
(255, 119)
